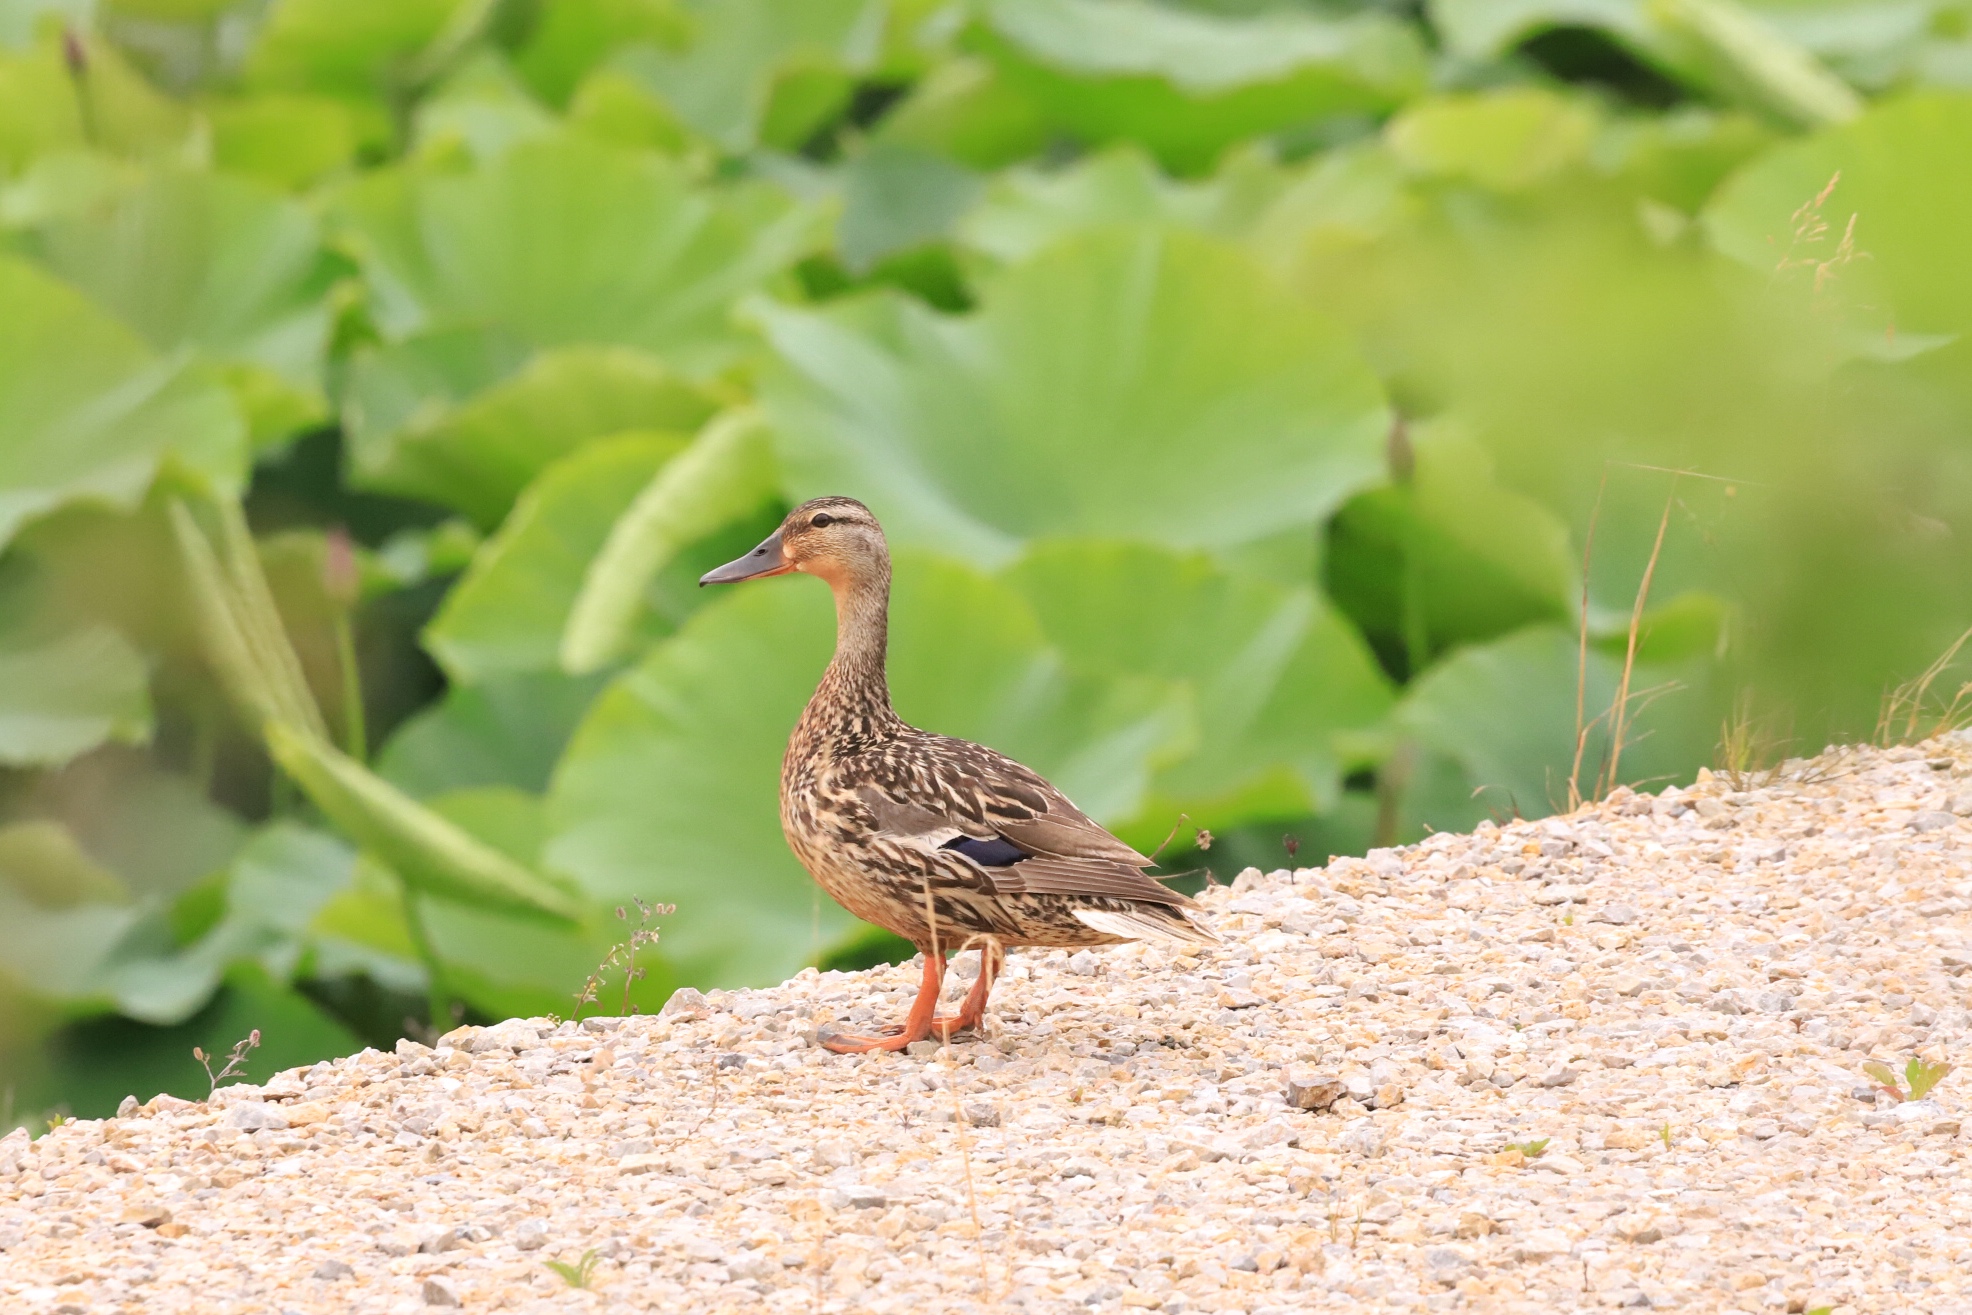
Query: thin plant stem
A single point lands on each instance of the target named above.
(1619, 710)
(354, 731)
(1582, 651)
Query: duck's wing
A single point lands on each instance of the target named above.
(1022, 834)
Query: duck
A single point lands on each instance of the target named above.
(948, 844)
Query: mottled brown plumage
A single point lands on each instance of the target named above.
(947, 843)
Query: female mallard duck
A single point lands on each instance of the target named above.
(946, 843)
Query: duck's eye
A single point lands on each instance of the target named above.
(822, 518)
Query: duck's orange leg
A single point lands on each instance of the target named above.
(917, 1023)
(973, 1011)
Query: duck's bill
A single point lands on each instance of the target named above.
(763, 561)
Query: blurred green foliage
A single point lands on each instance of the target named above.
(1246, 385)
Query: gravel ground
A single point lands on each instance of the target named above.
(1676, 994)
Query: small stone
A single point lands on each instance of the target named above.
(923, 1049)
(1932, 819)
(253, 1116)
(982, 1114)
(516, 1034)
(147, 1213)
(1559, 1076)
(1554, 1163)
(1313, 1091)
(634, 1146)
(1616, 915)
(127, 1107)
(686, 1003)
(532, 1234)
(1362, 1137)
(330, 1271)
(440, 1292)
(865, 1198)
(1543, 1244)
(1084, 964)
(447, 1239)
(1559, 894)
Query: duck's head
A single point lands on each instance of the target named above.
(834, 538)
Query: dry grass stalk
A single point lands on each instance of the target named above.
(1619, 710)
(1907, 702)
(1582, 651)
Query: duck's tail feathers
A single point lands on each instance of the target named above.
(1157, 923)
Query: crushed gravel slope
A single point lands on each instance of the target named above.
(1676, 995)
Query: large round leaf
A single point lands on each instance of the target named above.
(565, 240)
(670, 788)
(1187, 85)
(1278, 683)
(88, 412)
(69, 695)
(1506, 713)
(722, 79)
(1868, 214)
(361, 49)
(508, 613)
(206, 261)
(1142, 384)
(433, 418)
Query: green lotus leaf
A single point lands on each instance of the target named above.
(566, 240)
(441, 418)
(94, 1064)
(1760, 52)
(43, 107)
(1278, 682)
(1505, 711)
(896, 198)
(1186, 85)
(156, 830)
(67, 696)
(1507, 139)
(480, 111)
(726, 473)
(966, 109)
(1129, 383)
(429, 853)
(360, 50)
(508, 613)
(1026, 210)
(722, 79)
(507, 730)
(277, 883)
(289, 141)
(87, 411)
(572, 37)
(222, 265)
(1448, 556)
(1862, 218)
(669, 791)
(41, 861)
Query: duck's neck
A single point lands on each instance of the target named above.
(854, 696)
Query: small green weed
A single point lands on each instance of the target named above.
(1918, 1078)
(1665, 1133)
(1533, 1150)
(578, 1274)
